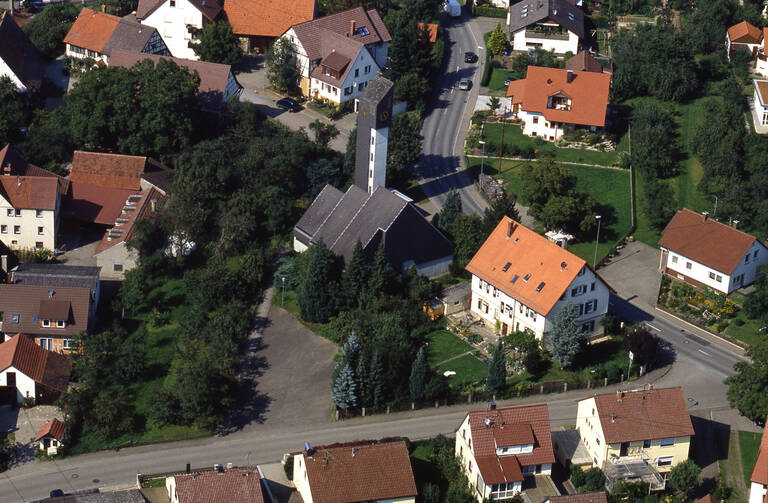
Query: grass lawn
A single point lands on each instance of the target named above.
(749, 332)
(610, 352)
(443, 345)
(513, 135)
(498, 76)
(290, 303)
(468, 370)
(749, 443)
(609, 186)
(731, 473)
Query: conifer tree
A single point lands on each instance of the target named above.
(566, 337)
(315, 299)
(354, 279)
(419, 372)
(363, 381)
(497, 370)
(451, 209)
(382, 276)
(344, 393)
(377, 381)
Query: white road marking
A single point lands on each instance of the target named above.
(704, 352)
(651, 326)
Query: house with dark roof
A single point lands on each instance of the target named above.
(96, 34)
(341, 219)
(217, 82)
(57, 275)
(584, 61)
(709, 254)
(552, 25)
(51, 316)
(758, 489)
(636, 435)
(49, 436)
(179, 22)
(498, 448)
(20, 60)
(339, 54)
(550, 100)
(233, 485)
(29, 371)
(355, 472)
(521, 280)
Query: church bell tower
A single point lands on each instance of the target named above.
(374, 116)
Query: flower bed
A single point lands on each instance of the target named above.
(704, 308)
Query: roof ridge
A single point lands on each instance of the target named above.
(335, 206)
(729, 227)
(367, 199)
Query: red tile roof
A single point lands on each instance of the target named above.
(528, 253)
(92, 30)
(588, 92)
(43, 366)
(362, 473)
(208, 8)
(138, 207)
(580, 498)
(310, 33)
(52, 428)
(235, 485)
(20, 167)
(760, 472)
(744, 33)
(30, 192)
(507, 427)
(267, 18)
(115, 171)
(707, 241)
(583, 61)
(631, 416)
(92, 203)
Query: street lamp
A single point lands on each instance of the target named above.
(714, 213)
(482, 159)
(282, 297)
(594, 261)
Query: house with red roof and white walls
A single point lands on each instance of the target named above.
(498, 448)
(522, 280)
(549, 100)
(758, 489)
(709, 254)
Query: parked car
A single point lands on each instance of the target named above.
(288, 104)
(470, 57)
(465, 84)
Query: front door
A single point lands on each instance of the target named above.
(503, 329)
(624, 449)
(538, 469)
(10, 379)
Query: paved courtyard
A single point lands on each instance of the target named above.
(634, 273)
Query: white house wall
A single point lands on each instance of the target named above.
(25, 385)
(116, 255)
(351, 82)
(5, 71)
(28, 223)
(521, 43)
(171, 23)
(757, 493)
(590, 430)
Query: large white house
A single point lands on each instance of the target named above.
(29, 211)
(759, 480)
(178, 21)
(339, 54)
(709, 254)
(498, 448)
(548, 100)
(552, 25)
(522, 280)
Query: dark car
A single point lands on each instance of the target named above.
(288, 104)
(506, 82)
(470, 57)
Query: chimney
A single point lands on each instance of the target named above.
(613, 418)
(153, 203)
(4, 262)
(735, 224)
(50, 294)
(619, 395)
(351, 27)
(188, 469)
(7, 169)
(571, 76)
(650, 387)
(510, 228)
(353, 452)
(139, 21)
(492, 406)
(705, 216)
(308, 450)
(103, 8)
(18, 181)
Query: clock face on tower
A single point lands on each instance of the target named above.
(384, 116)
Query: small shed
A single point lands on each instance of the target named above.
(456, 298)
(50, 436)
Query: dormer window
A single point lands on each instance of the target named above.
(559, 102)
(46, 323)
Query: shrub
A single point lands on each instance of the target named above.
(474, 339)
(288, 467)
(578, 478)
(594, 480)
(738, 322)
(612, 371)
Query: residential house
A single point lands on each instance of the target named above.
(29, 210)
(636, 435)
(758, 489)
(549, 100)
(58, 275)
(521, 280)
(20, 60)
(552, 25)
(50, 435)
(355, 473)
(96, 34)
(51, 316)
(597, 497)
(217, 82)
(99, 496)
(743, 37)
(28, 371)
(341, 219)
(339, 54)
(258, 23)
(498, 448)
(583, 61)
(759, 105)
(706, 253)
(179, 22)
(233, 485)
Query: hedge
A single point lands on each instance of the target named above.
(491, 12)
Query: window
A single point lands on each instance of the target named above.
(666, 442)
(665, 461)
(46, 344)
(367, 69)
(117, 267)
(10, 212)
(17, 229)
(590, 306)
(46, 323)
(719, 278)
(479, 304)
(674, 259)
(61, 323)
(469, 465)
(14, 243)
(173, 3)
(347, 91)
(373, 139)
(711, 275)
(14, 318)
(746, 259)
(688, 265)
(335, 91)
(589, 327)
(646, 444)
(578, 290)
(18, 212)
(357, 72)
(582, 272)
(754, 255)
(4, 229)
(39, 231)
(592, 287)
(597, 439)
(38, 244)
(39, 213)
(535, 120)
(371, 156)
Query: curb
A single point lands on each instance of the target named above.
(713, 334)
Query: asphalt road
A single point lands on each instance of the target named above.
(440, 167)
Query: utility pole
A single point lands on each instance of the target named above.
(482, 159)
(501, 145)
(714, 213)
(597, 241)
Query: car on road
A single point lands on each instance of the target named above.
(288, 104)
(465, 84)
(470, 57)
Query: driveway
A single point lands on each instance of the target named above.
(252, 75)
(634, 273)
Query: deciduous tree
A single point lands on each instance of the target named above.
(13, 111)
(685, 476)
(282, 66)
(497, 42)
(218, 44)
(324, 133)
(746, 388)
(48, 28)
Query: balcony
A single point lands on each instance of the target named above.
(634, 467)
(546, 35)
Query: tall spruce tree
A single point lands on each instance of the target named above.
(354, 279)
(344, 393)
(451, 209)
(382, 276)
(497, 370)
(376, 380)
(498, 209)
(363, 381)
(351, 350)
(315, 299)
(419, 373)
(567, 338)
